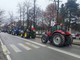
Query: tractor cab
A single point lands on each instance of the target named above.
(58, 27)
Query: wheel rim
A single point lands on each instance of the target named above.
(57, 40)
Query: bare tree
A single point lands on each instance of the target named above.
(34, 11)
(11, 17)
(23, 12)
(1, 15)
(20, 11)
(11, 20)
(27, 6)
(50, 13)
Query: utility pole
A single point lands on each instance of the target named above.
(34, 12)
(57, 3)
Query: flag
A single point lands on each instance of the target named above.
(32, 27)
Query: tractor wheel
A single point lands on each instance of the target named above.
(28, 36)
(68, 40)
(33, 36)
(58, 39)
(44, 39)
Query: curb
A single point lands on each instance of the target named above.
(76, 44)
(5, 51)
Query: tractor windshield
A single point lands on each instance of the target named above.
(58, 27)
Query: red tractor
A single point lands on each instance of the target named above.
(57, 36)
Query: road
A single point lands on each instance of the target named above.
(33, 49)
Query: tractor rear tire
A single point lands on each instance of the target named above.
(68, 40)
(58, 39)
(44, 39)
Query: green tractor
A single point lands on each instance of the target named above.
(57, 36)
(28, 33)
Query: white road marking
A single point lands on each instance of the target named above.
(5, 50)
(55, 49)
(8, 57)
(64, 52)
(36, 43)
(15, 48)
(32, 45)
(25, 47)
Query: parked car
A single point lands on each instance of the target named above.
(78, 36)
(73, 36)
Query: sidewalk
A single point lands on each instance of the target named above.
(76, 42)
(2, 56)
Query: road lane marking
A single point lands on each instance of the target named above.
(5, 50)
(64, 52)
(32, 45)
(15, 48)
(25, 47)
(32, 42)
(8, 57)
(36, 43)
(55, 49)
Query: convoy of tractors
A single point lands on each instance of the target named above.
(56, 35)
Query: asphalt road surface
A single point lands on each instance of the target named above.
(33, 49)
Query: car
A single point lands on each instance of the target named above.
(78, 36)
(73, 36)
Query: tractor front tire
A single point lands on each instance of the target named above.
(44, 39)
(58, 39)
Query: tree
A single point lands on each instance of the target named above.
(23, 13)
(50, 13)
(71, 8)
(20, 11)
(62, 13)
(1, 15)
(11, 17)
(27, 8)
(11, 21)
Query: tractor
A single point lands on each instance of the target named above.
(58, 36)
(28, 33)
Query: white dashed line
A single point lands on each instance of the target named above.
(8, 57)
(32, 45)
(15, 48)
(36, 43)
(25, 47)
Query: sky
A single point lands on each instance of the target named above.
(11, 5)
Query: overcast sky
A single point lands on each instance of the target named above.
(11, 5)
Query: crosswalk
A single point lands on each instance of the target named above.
(15, 48)
(27, 46)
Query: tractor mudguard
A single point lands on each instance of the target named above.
(67, 33)
(59, 31)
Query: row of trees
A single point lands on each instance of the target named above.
(71, 12)
(29, 14)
